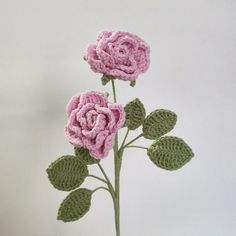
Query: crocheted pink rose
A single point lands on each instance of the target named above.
(120, 54)
(93, 122)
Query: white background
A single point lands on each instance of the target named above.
(192, 72)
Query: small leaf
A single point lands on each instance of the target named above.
(158, 123)
(106, 78)
(84, 156)
(135, 114)
(170, 153)
(75, 205)
(67, 173)
(132, 83)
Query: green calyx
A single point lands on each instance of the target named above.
(84, 156)
(170, 153)
(106, 78)
(132, 83)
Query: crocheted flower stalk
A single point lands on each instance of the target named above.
(94, 122)
(122, 55)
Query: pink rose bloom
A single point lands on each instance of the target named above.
(120, 54)
(93, 122)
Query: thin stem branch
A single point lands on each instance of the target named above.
(113, 89)
(135, 146)
(96, 177)
(126, 135)
(139, 136)
(107, 179)
(117, 167)
(101, 188)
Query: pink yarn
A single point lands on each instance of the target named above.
(93, 122)
(120, 54)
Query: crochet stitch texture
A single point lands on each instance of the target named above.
(93, 122)
(120, 54)
(67, 173)
(93, 125)
(170, 152)
(75, 205)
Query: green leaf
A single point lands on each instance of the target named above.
(84, 156)
(135, 114)
(170, 153)
(158, 123)
(67, 173)
(75, 205)
(106, 78)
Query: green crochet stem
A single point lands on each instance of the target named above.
(139, 136)
(126, 135)
(96, 177)
(135, 146)
(100, 188)
(118, 153)
(111, 189)
(117, 167)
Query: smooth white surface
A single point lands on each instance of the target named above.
(193, 53)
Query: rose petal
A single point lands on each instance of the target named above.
(119, 74)
(120, 54)
(104, 150)
(73, 124)
(80, 116)
(95, 63)
(105, 58)
(98, 127)
(111, 122)
(91, 117)
(103, 35)
(92, 51)
(72, 104)
(142, 58)
(73, 130)
(95, 97)
(101, 138)
(119, 115)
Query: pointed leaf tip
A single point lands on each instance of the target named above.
(170, 153)
(67, 173)
(75, 205)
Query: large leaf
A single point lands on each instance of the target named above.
(75, 205)
(135, 114)
(170, 153)
(158, 123)
(84, 156)
(67, 173)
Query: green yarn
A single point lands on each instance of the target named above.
(67, 173)
(75, 205)
(132, 83)
(158, 123)
(106, 78)
(170, 153)
(84, 156)
(135, 114)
